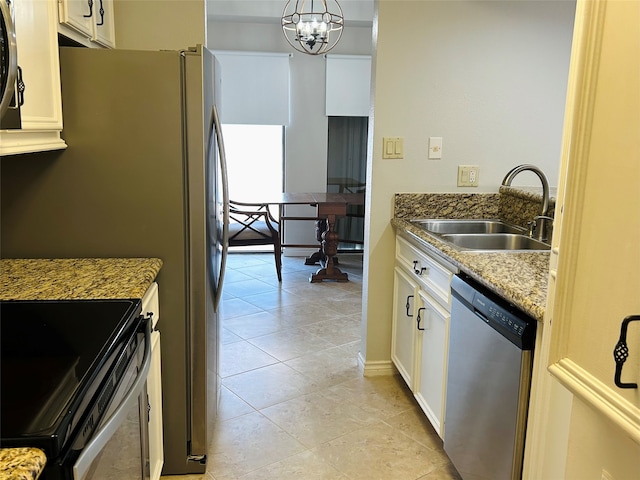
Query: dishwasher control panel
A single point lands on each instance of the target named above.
(493, 312)
(497, 312)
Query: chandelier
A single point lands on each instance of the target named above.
(310, 27)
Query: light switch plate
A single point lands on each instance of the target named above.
(392, 147)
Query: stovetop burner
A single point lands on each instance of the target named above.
(55, 355)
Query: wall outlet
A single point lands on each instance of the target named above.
(468, 175)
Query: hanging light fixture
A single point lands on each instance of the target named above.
(310, 27)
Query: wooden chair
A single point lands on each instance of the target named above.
(252, 224)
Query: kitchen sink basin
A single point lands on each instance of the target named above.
(450, 226)
(494, 241)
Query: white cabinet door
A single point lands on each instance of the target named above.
(37, 49)
(104, 24)
(432, 322)
(154, 391)
(151, 306)
(78, 15)
(403, 329)
(87, 21)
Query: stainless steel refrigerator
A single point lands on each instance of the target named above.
(141, 177)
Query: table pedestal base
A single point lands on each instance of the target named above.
(329, 249)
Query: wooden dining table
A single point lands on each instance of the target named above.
(329, 206)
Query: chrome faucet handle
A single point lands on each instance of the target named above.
(532, 226)
(539, 226)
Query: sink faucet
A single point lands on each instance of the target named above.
(538, 225)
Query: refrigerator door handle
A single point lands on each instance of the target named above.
(225, 201)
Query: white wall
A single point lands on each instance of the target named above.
(152, 25)
(488, 77)
(306, 135)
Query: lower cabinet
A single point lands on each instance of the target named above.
(433, 337)
(404, 332)
(150, 305)
(154, 391)
(420, 326)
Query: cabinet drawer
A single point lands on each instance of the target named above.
(432, 275)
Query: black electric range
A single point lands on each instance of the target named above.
(55, 359)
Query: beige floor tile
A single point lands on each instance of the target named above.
(314, 419)
(414, 424)
(304, 314)
(346, 305)
(204, 476)
(227, 336)
(243, 444)
(305, 465)
(269, 385)
(274, 299)
(231, 306)
(240, 357)
(378, 397)
(446, 472)
(309, 413)
(231, 405)
(328, 368)
(338, 331)
(254, 325)
(248, 287)
(377, 452)
(291, 343)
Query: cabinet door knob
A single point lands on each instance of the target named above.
(621, 352)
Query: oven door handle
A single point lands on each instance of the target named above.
(100, 439)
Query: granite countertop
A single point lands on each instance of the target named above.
(67, 279)
(519, 277)
(21, 463)
(76, 278)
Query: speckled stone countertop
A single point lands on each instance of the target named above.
(67, 279)
(21, 463)
(519, 277)
(76, 278)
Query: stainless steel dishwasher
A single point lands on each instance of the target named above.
(488, 382)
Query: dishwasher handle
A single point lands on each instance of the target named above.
(621, 352)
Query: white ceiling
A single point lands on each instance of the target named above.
(356, 12)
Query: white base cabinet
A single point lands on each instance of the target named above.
(433, 337)
(404, 332)
(154, 386)
(420, 326)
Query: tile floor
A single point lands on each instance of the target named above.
(294, 403)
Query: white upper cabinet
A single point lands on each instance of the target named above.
(37, 52)
(88, 22)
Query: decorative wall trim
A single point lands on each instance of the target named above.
(600, 396)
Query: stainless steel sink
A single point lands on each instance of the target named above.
(480, 234)
(494, 241)
(446, 226)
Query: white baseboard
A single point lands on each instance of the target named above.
(377, 368)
